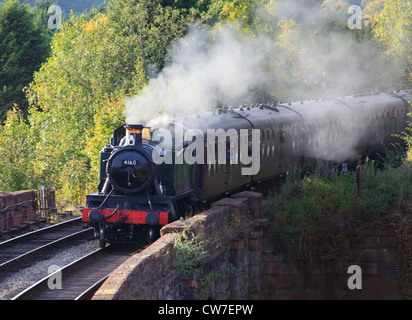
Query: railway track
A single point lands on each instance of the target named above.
(36, 252)
(38, 244)
(80, 279)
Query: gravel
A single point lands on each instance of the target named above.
(13, 283)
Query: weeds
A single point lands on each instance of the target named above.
(190, 252)
(314, 217)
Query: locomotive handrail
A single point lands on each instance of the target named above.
(109, 194)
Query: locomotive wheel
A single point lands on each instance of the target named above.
(102, 237)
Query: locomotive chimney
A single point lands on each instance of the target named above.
(133, 134)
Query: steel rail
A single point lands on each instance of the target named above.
(44, 248)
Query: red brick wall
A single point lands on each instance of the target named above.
(16, 209)
(377, 256)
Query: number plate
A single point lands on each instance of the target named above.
(130, 162)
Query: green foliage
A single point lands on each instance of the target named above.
(241, 12)
(16, 148)
(150, 27)
(199, 5)
(77, 95)
(384, 191)
(23, 47)
(41, 18)
(393, 26)
(315, 208)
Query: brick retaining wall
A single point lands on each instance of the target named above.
(377, 256)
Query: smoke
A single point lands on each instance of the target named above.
(206, 70)
(299, 50)
(322, 56)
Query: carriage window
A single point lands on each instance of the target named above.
(273, 142)
(220, 166)
(282, 136)
(232, 158)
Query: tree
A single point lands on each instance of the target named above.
(240, 12)
(150, 27)
(76, 97)
(41, 17)
(23, 47)
(16, 149)
(393, 27)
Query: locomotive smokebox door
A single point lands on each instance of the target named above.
(130, 169)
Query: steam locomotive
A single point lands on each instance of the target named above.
(150, 177)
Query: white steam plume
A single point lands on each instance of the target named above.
(203, 73)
